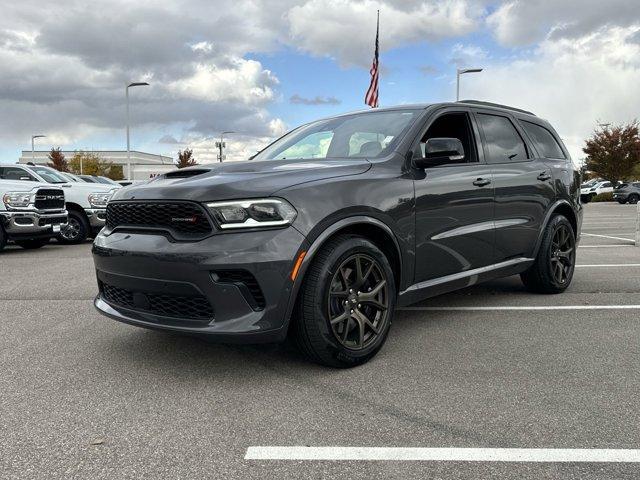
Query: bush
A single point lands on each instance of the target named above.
(603, 197)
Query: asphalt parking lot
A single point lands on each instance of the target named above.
(493, 366)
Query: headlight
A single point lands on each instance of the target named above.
(270, 212)
(17, 199)
(99, 199)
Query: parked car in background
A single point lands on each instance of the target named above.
(627, 193)
(31, 213)
(590, 190)
(126, 183)
(85, 202)
(330, 227)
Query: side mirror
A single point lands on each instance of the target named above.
(439, 151)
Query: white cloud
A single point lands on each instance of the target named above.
(345, 30)
(525, 22)
(243, 80)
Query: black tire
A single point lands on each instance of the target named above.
(77, 229)
(32, 244)
(553, 268)
(3, 238)
(633, 198)
(361, 319)
(622, 202)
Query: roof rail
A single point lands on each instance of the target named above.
(489, 104)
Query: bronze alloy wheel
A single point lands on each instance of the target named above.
(358, 302)
(563, 254)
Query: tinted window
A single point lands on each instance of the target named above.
(453, 125)
(637, 185)
(545, 142)
(503, 142)
(606, 185)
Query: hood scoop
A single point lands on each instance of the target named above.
(186, 173)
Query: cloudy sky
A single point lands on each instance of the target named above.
(260, 67)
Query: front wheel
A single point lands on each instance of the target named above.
(346, 303)
(76, 230)
(553, 268)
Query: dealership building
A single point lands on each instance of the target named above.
(143, 165)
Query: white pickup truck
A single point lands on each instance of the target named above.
(592, 188)
(86, 203)
(30, 213)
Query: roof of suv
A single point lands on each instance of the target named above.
(467, 103)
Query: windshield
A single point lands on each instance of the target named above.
(363, 135)
(49, 175)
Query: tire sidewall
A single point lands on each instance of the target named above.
(545, 251)
(344, 250)
(633, 199)
(83, 232)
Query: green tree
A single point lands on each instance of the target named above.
(89, 163)
(57, 160)
(614, 152)
(185, 159)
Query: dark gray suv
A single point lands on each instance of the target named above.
(324, 232)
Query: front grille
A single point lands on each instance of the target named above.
(247, 284)
(195, 307)
(52, 221)
(183, 219)
(49, 199)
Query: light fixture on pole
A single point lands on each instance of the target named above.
(33, 152)
(221, 145)
(134, 84)
(462, 71)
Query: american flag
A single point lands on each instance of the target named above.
(371, 98)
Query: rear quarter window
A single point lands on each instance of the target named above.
(544, 141)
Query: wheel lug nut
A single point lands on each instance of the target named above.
(351, 311)
(359, 305)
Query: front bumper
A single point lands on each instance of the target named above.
(97, 216)
(31, 224)
(150, 281)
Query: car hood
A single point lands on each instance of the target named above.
(236, 180)
(85, 187)
(24, 186)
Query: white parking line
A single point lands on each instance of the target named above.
(521, 307)
(607, 236)
(607, 265)
(592, 455)
(613, 245)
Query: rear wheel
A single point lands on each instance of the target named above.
(32, 244)
(553, 268)
(634, 198)
(76, 230)
(346, 303)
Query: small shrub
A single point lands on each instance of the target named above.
(603, 197)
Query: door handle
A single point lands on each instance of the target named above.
(481, 182)
(544, 176)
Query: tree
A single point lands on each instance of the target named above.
(57, 160)
(614, 152)
(88, 163)
(185, 159)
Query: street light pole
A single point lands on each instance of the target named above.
(462, 71)
(33, 151)
(221, 145)
(134, 84)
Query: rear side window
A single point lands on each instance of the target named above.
(545, 142)
(503, 142)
